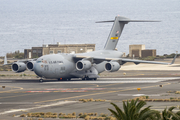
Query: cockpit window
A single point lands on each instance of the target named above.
(38, 61)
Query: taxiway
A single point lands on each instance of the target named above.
(21, 95)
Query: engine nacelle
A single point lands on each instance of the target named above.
(83, 65)
(18, 67)
(112, 66)
(30, 65)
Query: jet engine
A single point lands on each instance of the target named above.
(18, 67)
(83, 65)
(112, 66)
(30, 65)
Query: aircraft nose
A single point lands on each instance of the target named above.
(37, 69)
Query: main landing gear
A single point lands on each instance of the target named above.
(87, 78)
(64, 79)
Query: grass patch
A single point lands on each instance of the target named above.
(92, 100)
(147, 99)
(86, 116)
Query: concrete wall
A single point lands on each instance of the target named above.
(55, 48)
(135, 53)
(135, 48)
(146, 53)
(37, 52)
(27, 53)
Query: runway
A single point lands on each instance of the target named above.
(22, 96)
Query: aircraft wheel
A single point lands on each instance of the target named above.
(64, 79)
(87, 78)
(69, 79)
(41, 80)
(84, 78)
(95, 78)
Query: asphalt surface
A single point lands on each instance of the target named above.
(21, 96)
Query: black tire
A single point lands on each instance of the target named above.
(41, 80)
(84, 78)
(64, 79)
(95, 79)
(87, 78)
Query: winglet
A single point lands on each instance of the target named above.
(174, 58)
(5, 60)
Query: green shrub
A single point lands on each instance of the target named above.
(49, 113)
(74, 114)
(95, 114)
(103, 115)
(171, 55)
(83, 116)
(80, 114)
(16, 54)
(149, 58)
(23, 115)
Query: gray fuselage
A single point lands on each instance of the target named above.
(64, 65)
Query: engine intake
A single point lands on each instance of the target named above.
(30, 65)
(18, 67)
(83, 65)
(112, 66)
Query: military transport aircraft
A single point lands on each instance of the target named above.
(84, 65)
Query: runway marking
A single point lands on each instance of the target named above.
(76, 88)
(18, 95)
(109, 84)
(156, 78)
(38, 91)
(17, 88)
(57, 91)
(115, 80)
(102, 82)
(67, 90)
(98, 93)
(5, 81)
(138, 94)
(42, 106)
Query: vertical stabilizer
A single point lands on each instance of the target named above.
(117, 29)
(115, 33)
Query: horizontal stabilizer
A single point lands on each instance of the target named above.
(126, 20)
(105, 21)
(139, 21)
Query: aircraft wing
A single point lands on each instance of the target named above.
(122, 60)
(25, 61)
(143, 61)
(150, 62)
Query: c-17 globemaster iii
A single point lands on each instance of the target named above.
(83, 65)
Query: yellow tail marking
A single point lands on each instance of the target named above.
(114, 38)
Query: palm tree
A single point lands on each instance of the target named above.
(170, 115)
(133, 111)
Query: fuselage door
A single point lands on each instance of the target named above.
(62, 69)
